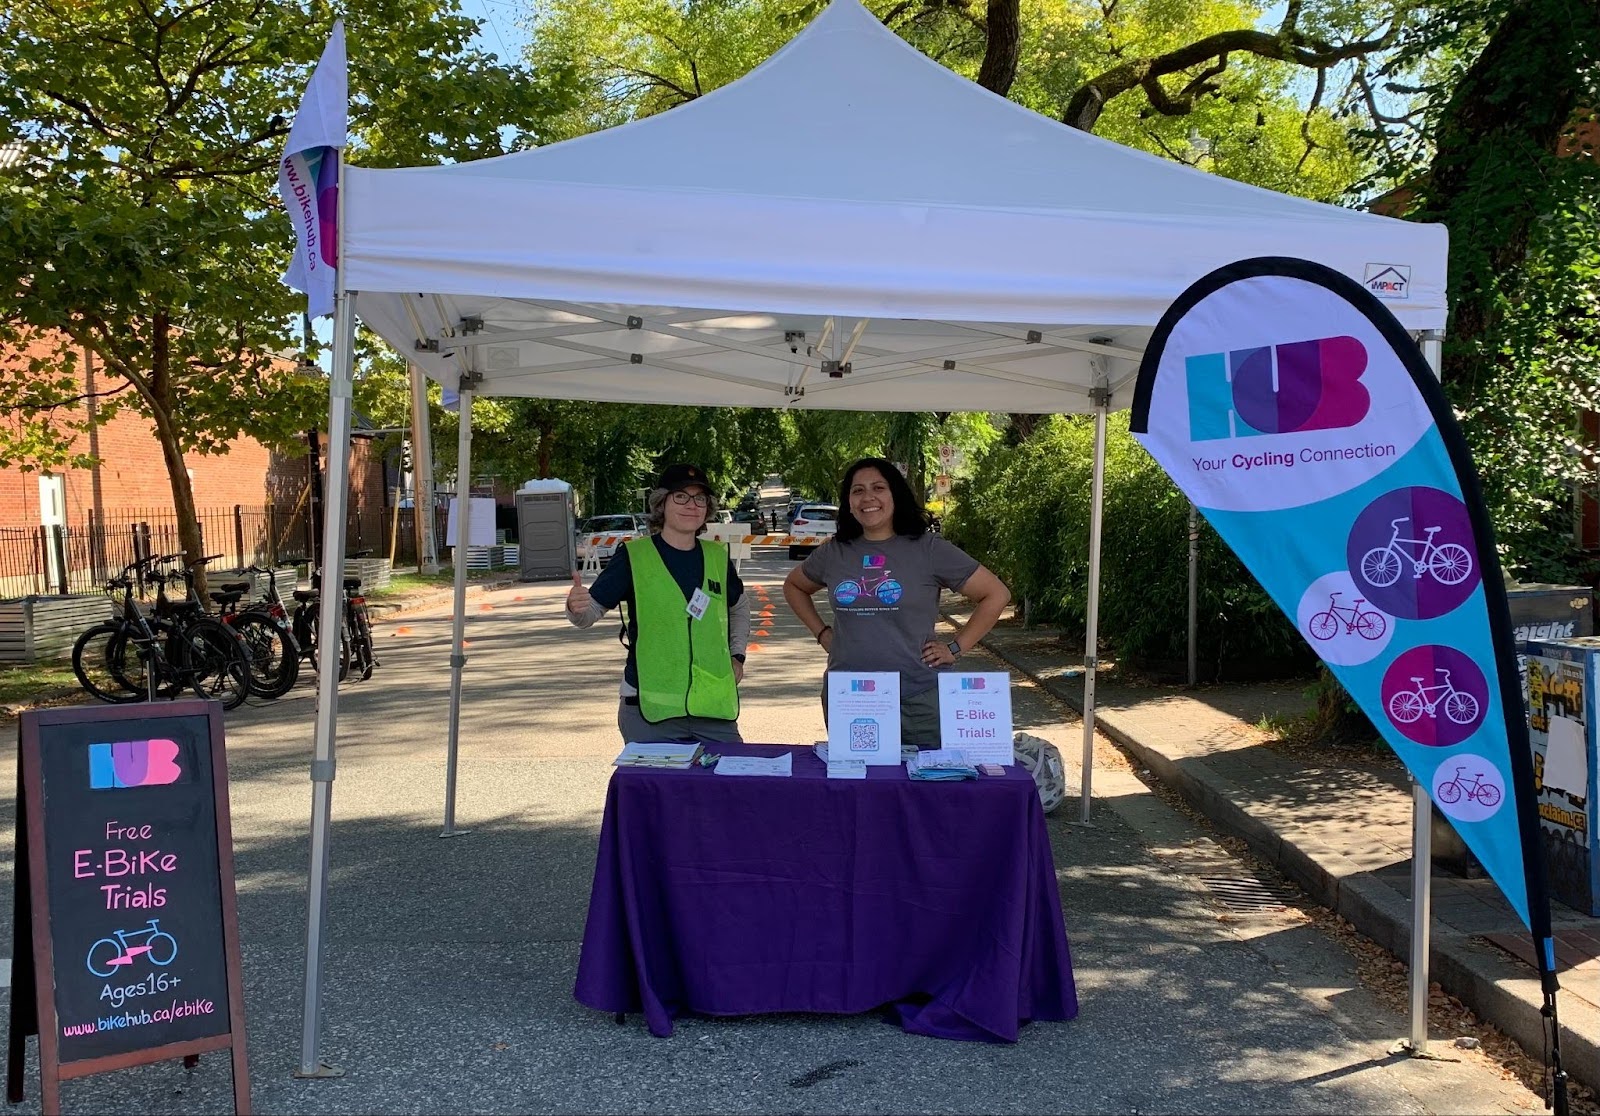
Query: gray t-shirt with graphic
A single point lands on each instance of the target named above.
(885, 599)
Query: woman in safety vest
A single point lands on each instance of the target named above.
(883, 571)
(687, 621)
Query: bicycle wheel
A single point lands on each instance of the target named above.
(101, 956)
(99, 660)
(163, 948)
(214, 663)
(1380, 566)
(1449, 793)
(362, 656)
(1450, 564)
(1461, 708)
(274, 660)
(316, 652)
(1405, 707)
(1324, 625)
(1488, 794)
(1370, 625)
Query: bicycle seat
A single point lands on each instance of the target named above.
(305, 596)
(236, 587)
(351, 584)
(227, 598)
(1417, 679)
(1432, 530)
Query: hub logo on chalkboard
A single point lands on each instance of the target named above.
(134, 763)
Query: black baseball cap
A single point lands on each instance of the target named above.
(675, 478)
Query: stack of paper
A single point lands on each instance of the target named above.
(658, 755)
(756, 765)
(941, 764)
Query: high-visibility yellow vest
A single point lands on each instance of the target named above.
(684, 665)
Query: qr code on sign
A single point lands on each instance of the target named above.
(864, 736)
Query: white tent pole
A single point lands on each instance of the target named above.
(1422, 828)
(1101, 398)
(330, 619)
(458, 660)
(422, 474)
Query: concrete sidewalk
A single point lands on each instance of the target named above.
(1339, 826)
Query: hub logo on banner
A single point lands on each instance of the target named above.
(1293, 409)
(1277, 389)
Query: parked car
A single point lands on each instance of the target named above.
(604, 533)
(812, 519)
(721, 515)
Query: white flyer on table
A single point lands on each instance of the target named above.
(864, 717)
(975, 716)
(756, 765)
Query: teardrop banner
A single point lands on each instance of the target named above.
(1295, 412)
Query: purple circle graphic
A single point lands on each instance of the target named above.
(846, 592)
(1411, 552)
(1435, 695)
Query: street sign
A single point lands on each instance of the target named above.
(941, 484)
(947, 454)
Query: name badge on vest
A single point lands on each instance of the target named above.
(698, 604)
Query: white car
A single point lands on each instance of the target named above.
(602, 534)
(812, 520)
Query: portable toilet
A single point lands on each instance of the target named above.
(546, 530)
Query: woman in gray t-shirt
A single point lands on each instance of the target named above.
(883, 572)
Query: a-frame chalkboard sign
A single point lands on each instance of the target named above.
(126, 938)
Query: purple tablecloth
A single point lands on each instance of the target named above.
(733, 896)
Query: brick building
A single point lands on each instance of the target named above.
(253, 502)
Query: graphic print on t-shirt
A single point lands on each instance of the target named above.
(873, 588)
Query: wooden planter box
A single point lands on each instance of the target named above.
(37, 628)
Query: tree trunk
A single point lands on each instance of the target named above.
(1003, 46)
(547, 449)
(161, 409)
(1505, 116)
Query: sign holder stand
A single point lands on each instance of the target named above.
(33, 1004)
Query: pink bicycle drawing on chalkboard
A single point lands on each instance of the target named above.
(158, 947)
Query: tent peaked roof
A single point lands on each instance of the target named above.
(846, 180)
(849, 111)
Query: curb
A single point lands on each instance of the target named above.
(383, 610)
(1499, 989)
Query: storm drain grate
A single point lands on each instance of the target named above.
(1246, 893)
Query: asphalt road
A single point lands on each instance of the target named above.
(450, 963)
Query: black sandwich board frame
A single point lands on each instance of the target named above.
(33, 1001)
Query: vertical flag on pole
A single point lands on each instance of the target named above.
(1293, 409)
(308, 176)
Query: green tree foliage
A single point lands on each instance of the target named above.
(142, 224)
(1025, 515)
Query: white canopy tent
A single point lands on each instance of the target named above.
(850, 226)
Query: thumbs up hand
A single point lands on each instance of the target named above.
(578, 596)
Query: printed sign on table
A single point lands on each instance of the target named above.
(864, 717)
(975, 716)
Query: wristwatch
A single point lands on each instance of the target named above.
(955, 649)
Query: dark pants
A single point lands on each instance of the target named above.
(699, 730)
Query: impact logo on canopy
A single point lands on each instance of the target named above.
(1296, 413)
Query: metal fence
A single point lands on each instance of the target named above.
(78, 559)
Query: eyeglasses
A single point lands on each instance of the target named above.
(698, 499)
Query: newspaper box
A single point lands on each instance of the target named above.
(1560, 689)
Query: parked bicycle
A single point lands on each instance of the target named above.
(138, 656)
(1366, 623)
(355, 630)
(262, 628)
(1477, 789)
(1448, 564)
(1409, 705)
